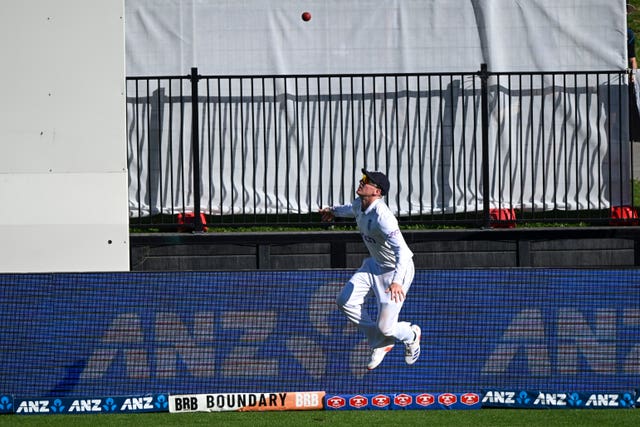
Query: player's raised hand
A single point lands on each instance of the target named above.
(327, 214)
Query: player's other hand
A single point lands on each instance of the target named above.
(397, 294)
(327, 214)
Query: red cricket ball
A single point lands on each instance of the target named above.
(306, 16)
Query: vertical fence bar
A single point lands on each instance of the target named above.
(195, 145)
(420, 149)
(630, 76)
(150, 159)
(396, 117)
(253, 153)
(243, 151)
(484, 112)
(502, 117)
(354, 148)
(297, 121)
(565, 143)
(209, 117)
(463, 146)
(220, 149)
(409, 151)
(309, 153)
(432, 180)
(440, 166)
(343, 150)
(376, 159)
(452, 155)
(542, 138)
(138, 151)
(172, 178)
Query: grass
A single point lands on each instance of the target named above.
(485, 417)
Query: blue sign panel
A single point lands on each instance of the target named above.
(92, 405)
(557, 400)
(105, 334)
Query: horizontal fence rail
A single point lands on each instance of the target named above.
(272, 150)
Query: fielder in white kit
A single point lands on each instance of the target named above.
(389, 271)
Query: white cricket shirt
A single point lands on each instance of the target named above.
(381, 234)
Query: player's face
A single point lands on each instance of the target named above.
(367, 187)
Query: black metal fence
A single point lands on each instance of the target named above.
(459, 148)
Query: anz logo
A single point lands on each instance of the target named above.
(33, 407)
(177, 343)
(580, 342)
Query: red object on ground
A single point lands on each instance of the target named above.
(190, 218)
(624, 215)
(503, 218)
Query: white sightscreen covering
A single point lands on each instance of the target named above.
(252, 37)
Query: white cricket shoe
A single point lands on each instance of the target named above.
(377, 355)
(412, 348)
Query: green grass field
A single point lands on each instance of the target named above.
(485, 417)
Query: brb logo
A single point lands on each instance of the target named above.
(402, 399)
(336, 402)
(425, 399)
(358, 402)
(469, 399)
(447, 399)
(381, 401)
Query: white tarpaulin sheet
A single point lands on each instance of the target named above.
(167, 37)
(569, 128)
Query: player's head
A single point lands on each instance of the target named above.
(375, 179)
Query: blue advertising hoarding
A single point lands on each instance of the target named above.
(106, 334)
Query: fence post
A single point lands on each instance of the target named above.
(484, 111)
(195, 146)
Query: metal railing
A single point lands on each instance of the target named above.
(271, 150)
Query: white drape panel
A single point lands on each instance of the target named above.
(257, 37)
(293, 144)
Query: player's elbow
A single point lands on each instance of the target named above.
(341, 301)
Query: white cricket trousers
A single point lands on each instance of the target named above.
(386, 329)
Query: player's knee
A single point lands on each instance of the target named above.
(386, 329)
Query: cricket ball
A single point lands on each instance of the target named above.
(306, 16)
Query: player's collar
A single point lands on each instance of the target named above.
(372, 205)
